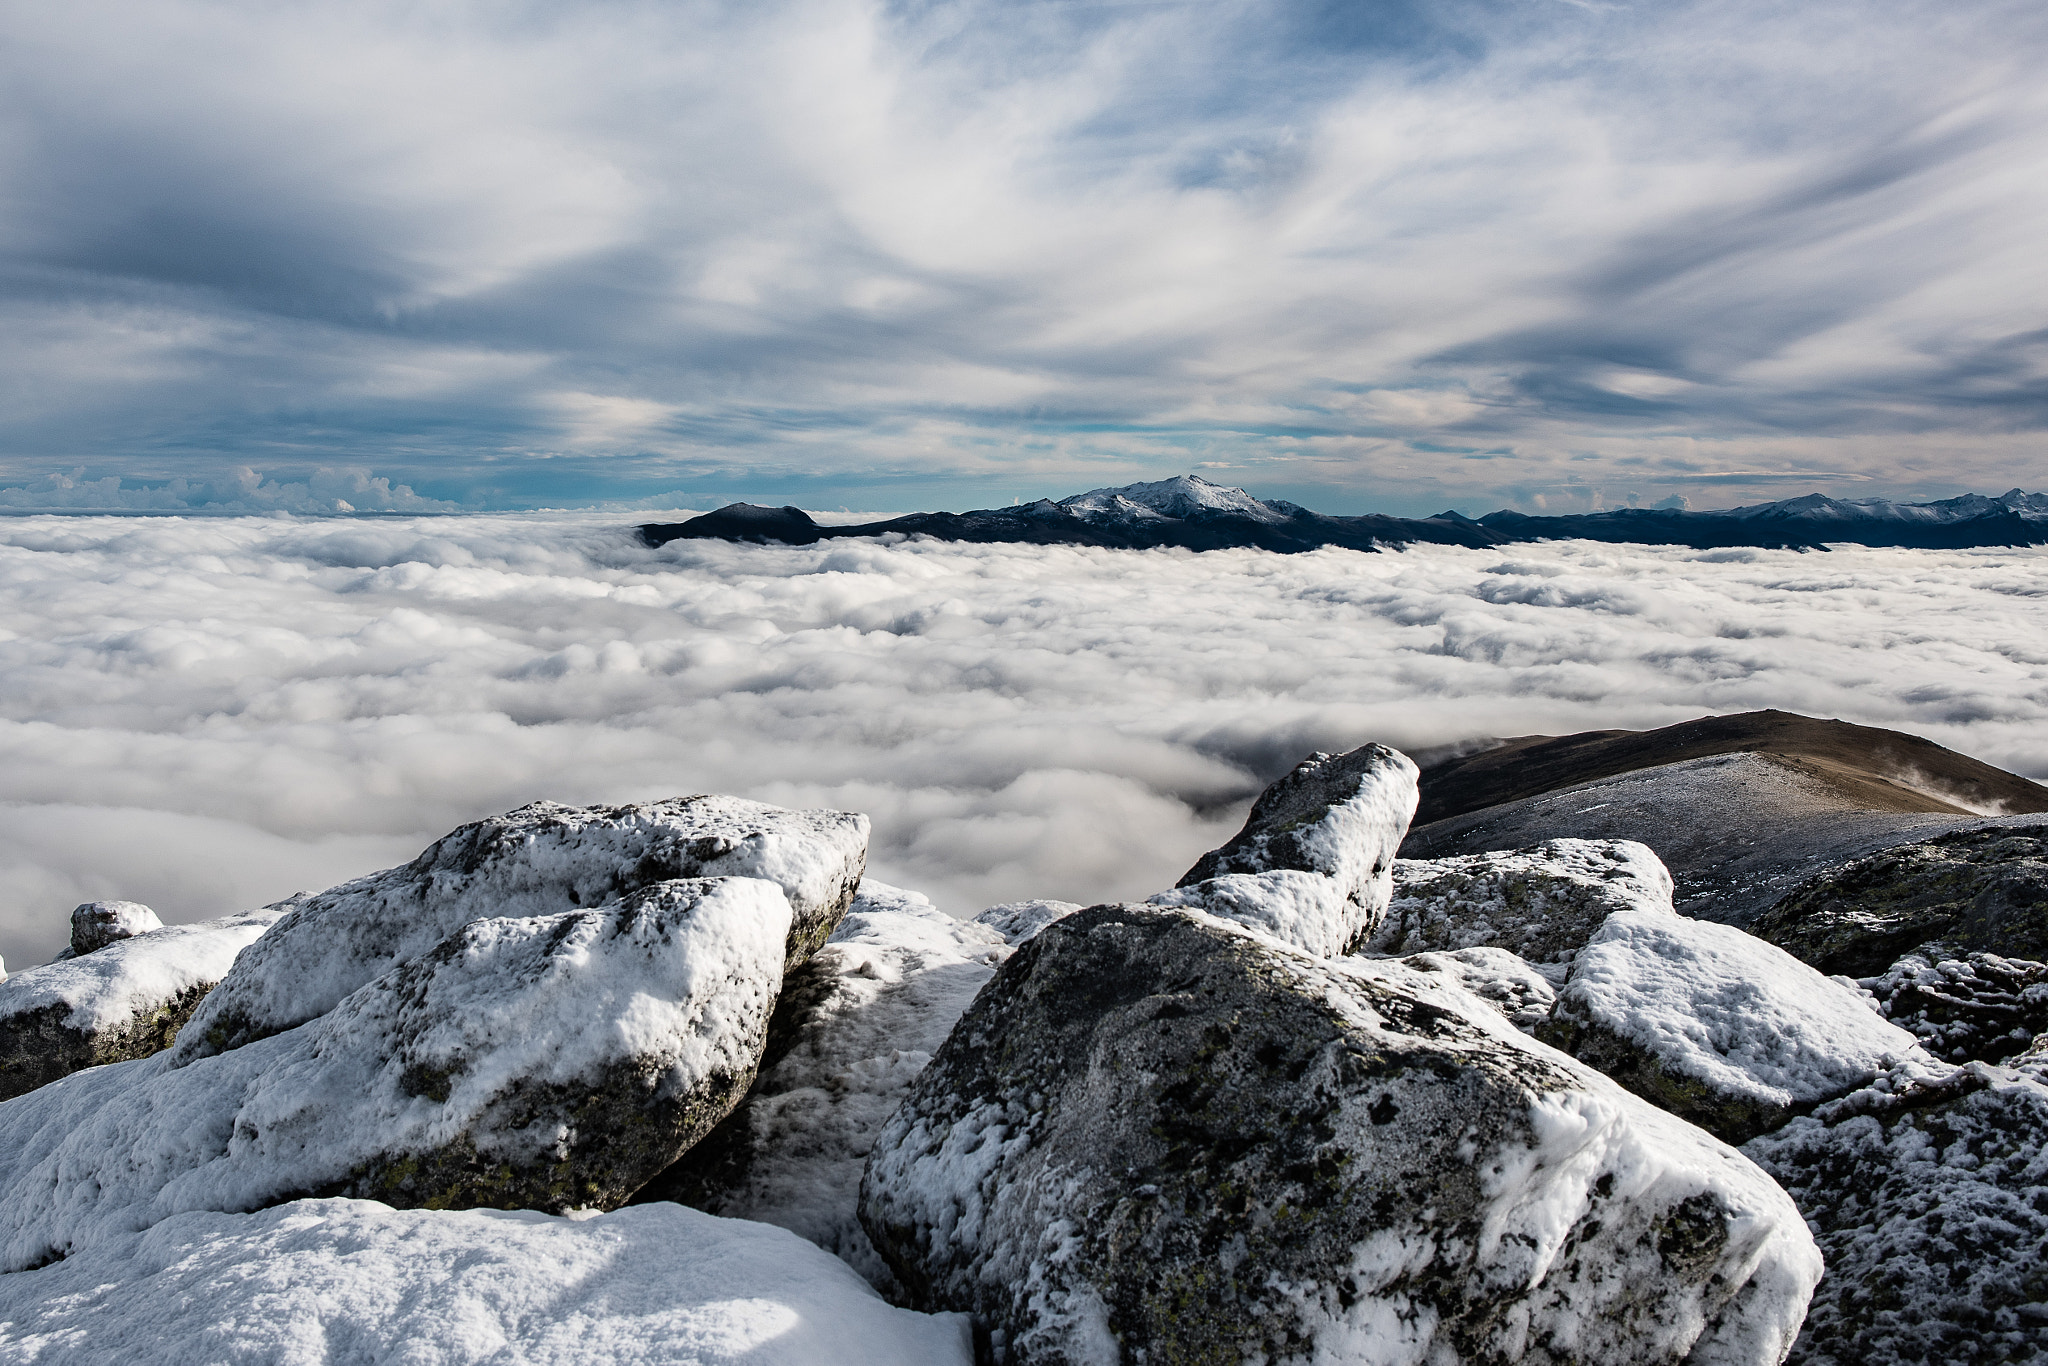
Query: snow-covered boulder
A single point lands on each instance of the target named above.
(865, 1015)
(125, 999)
(1979, 1007)
(538, 860)
(1156, 1136)
(1018, 921)
(548, 1062)
(1507, 983)
(1311, 866)
(1930, 1202)
(1541, 904)
(97, 924)
(349, 1282)
(1715, 1025)
(1983, 889)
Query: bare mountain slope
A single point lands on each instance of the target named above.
(1741, 808)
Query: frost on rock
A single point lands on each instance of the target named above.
(1715, 1025)
(1541, 903)
(1930, 1201)
(97, 924)
(1311, 866)
(538, 860)
(1155, 1136)
(549, 1062)
(1984, 889)
(861, 1019)
(1018, 921)
(353, 1282)
(1499, 978)
(126, 999)
(1976, 1008)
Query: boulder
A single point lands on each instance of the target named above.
(1930, 1201)
(349, 1282)
(1716, 1026)
(97, 924)
(1976, 1008)
(1312, 865)
(860, 1020)
(549, 1062)
(538, 860)
(1158, 1137)
(1507, 983)
(125, 999)
(1541, 904)
(1984, 889)
(1018, 921)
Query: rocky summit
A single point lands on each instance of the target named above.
(577, 1081)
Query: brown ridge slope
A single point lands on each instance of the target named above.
(1868, 768)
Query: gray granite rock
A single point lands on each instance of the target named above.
(97, 924)
(1156, 1137)
(1969, 890)
(538, 860)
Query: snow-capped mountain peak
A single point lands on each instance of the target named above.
(1183, 496)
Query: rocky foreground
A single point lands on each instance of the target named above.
(673, 1082)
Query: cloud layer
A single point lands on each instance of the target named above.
(205, 715)
(1373, 253)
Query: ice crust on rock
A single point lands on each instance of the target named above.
(1930, 1201)
(1718, 1026)
(1157, 1132)
(545, 1062)
(1019, 921)
(1976, 1008)
(864, 1016)
(537, 860)
(1501, 979)
(97, 924)
(126, 999)
(1541, 904)
(356, 1283)
(1311, 867)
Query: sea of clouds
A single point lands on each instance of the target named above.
(208, 714)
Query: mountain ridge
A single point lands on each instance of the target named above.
(1190, 512)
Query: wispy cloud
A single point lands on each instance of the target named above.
(976, 246)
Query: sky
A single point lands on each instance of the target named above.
(208, 714)
(1550, 254)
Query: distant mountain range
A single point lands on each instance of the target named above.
(1190, 511)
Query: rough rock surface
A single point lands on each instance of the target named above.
(538, 860)
(549, 1062)
(126, 999)
(1541, 904)
(1155, 1133)
(353, 1282)
(1312, 866)
(1507, 983)
(1976, 1008)
(1930, 1202)
(97, 924)
(864, 1016)
(1716, 1026)
(1974, 889)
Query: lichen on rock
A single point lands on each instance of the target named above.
(1984, 889)
(1158, 1137)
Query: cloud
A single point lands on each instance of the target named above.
(207, 714)
(517, 255)
(239, 490)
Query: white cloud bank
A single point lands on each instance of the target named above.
(204, 715)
